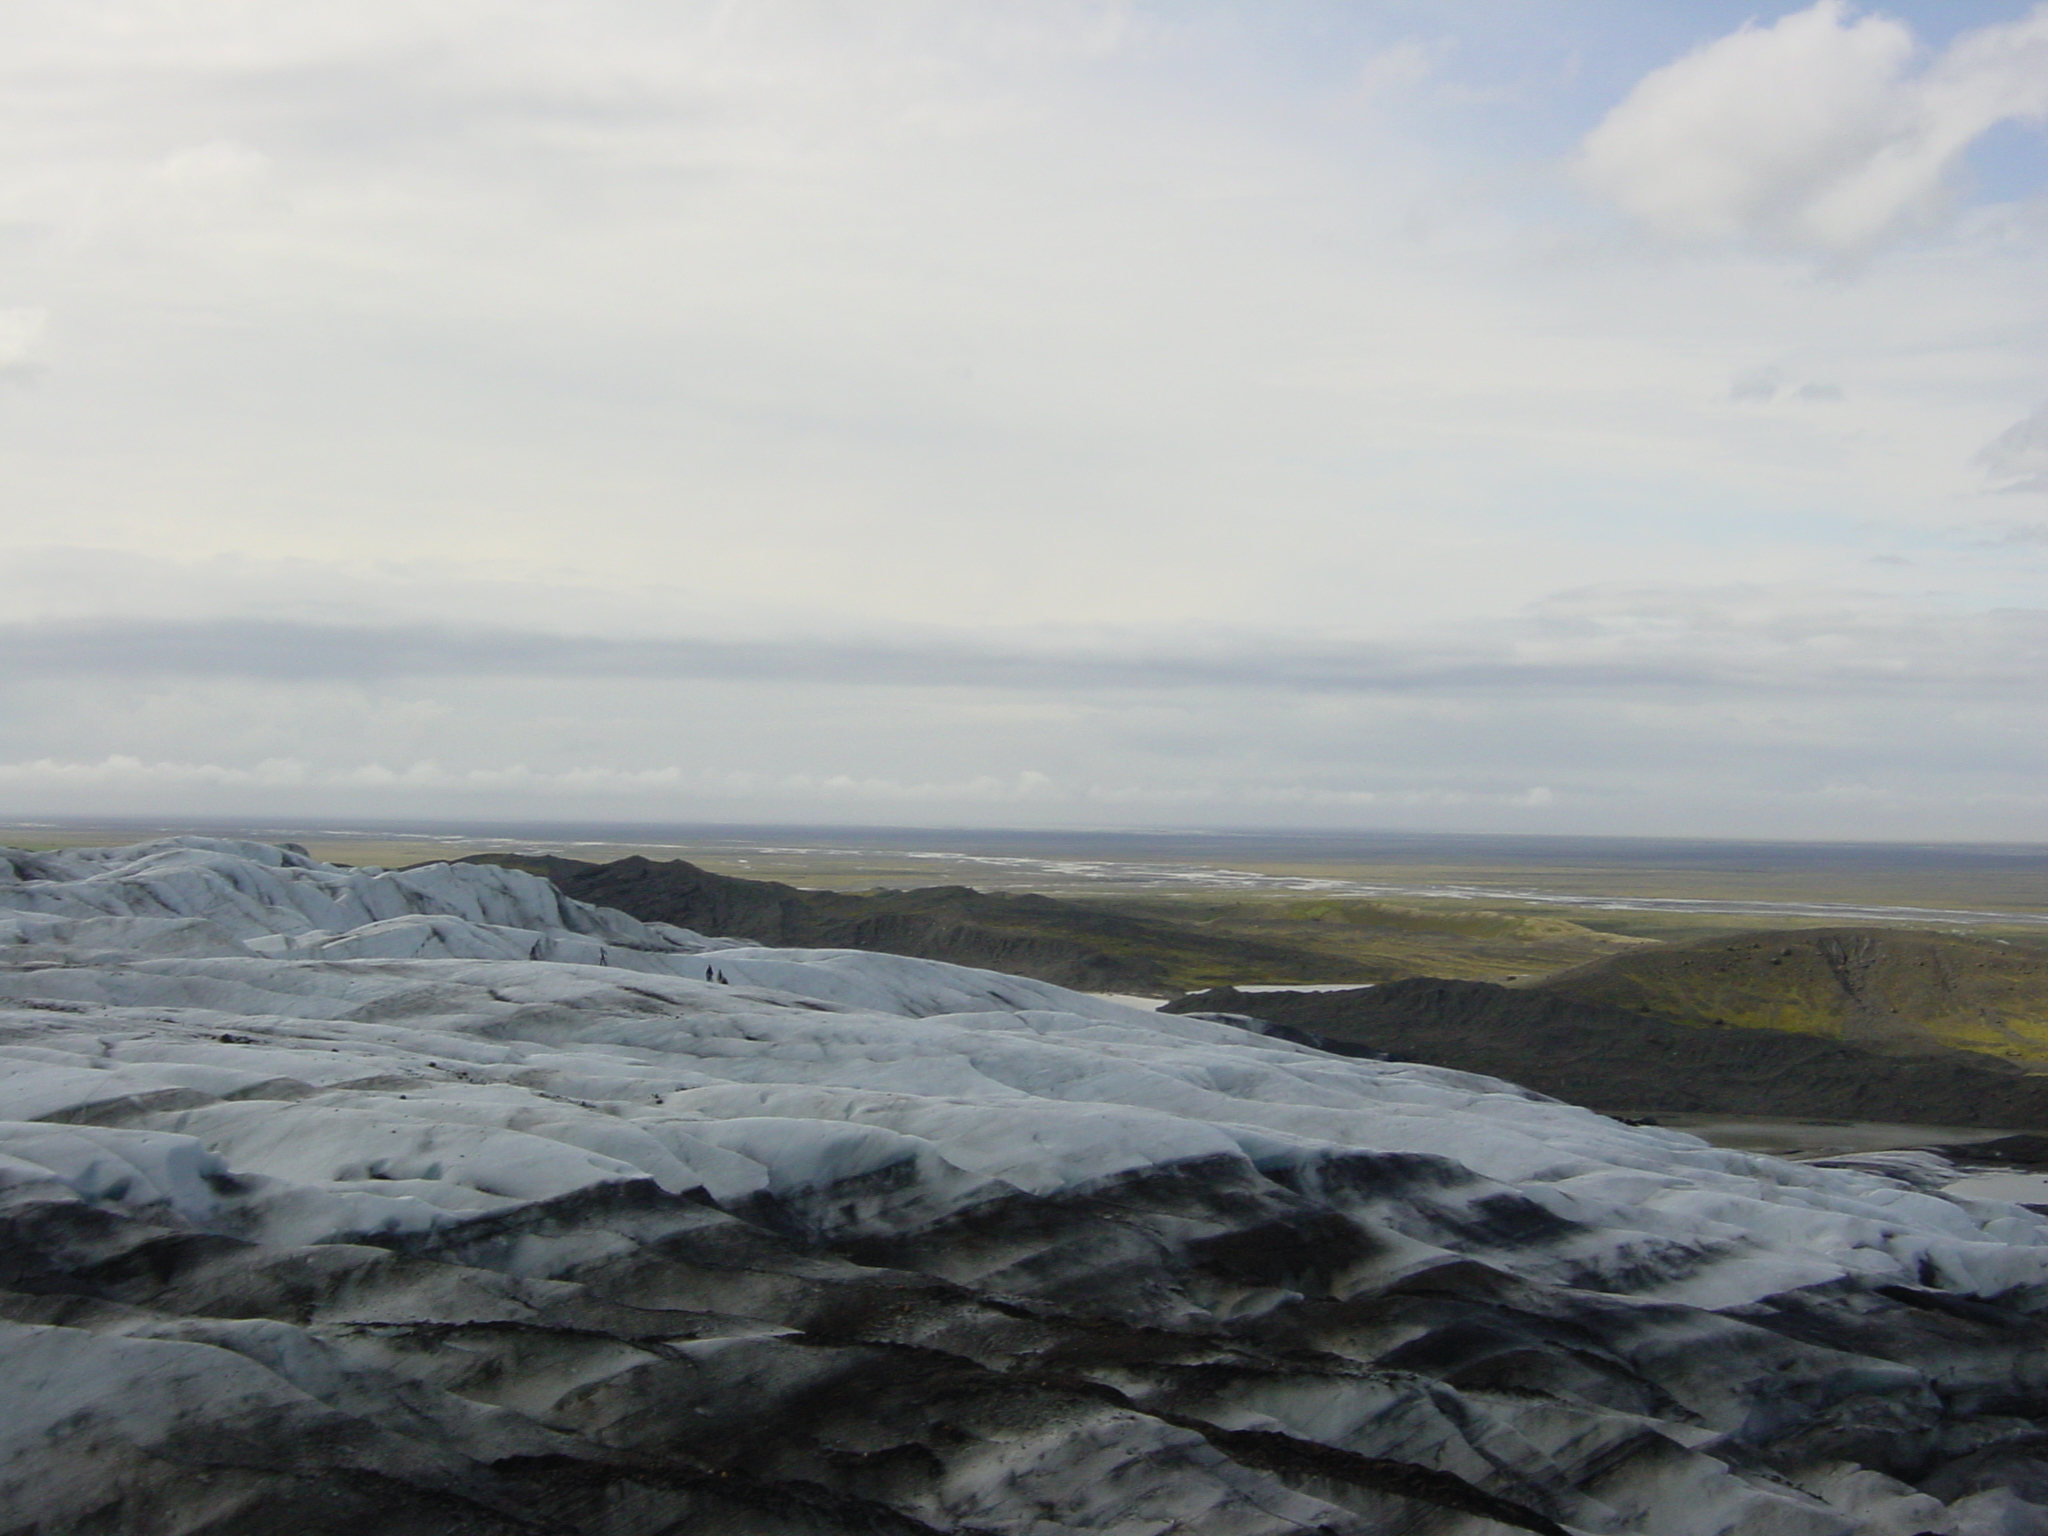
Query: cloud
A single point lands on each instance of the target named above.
(1405, 65)
(2017, 459)
(1610, 640)
(1816, 133)
(21, 330)
(1761, 384)
(127, 772)
(364, 783)
(291, 651)
(1764, 385)
(1725, 712)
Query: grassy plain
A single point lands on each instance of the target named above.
(1381, 940)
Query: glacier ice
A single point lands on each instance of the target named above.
(434, 1200)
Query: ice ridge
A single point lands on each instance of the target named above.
(433, 1200)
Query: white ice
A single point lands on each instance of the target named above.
(305, 1053)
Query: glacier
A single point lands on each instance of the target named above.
(431, 1200)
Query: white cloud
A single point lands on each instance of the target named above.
(1761, 386)
(20, 332)
(119, 768)
(60, 786)
(1641, 709)
(1609, 640)
(1405, 65)
(123, 771)
(1816, 133)
(2017, 459)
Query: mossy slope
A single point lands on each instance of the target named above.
(1385, 941)
(1900, 991)
(1628, 1062)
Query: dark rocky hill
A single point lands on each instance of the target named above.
(1070, 943)
(1625, 1061)
(1890, 989)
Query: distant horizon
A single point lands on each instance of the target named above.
(642, 829)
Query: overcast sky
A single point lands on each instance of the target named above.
(1462, 414)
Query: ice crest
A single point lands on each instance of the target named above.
(525, 1203)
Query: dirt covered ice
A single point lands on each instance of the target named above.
(433, 1200)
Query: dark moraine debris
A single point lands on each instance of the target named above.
(1616, 1059)
(2026, 1153)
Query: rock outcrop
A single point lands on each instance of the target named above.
(1073, 944)
(1625, 1061)
(1890, 989)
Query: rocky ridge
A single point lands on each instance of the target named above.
(1626, 1061)
(1073, 944)
(1893, 990)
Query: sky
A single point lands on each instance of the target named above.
(1465, 415)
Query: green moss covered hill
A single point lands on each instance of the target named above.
(1892, 990)
(1388, 940)
(1845, 1023)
